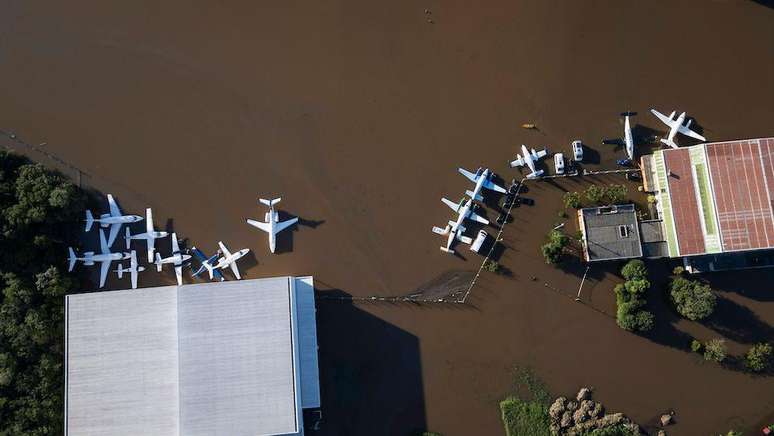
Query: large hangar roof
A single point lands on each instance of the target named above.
(213, 358)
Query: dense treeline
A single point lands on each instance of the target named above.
(40, 213)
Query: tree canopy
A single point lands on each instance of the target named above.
(40, 210)
(692, 299)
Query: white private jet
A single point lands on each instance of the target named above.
(529, 158)
(229, 259)
(628, 139)
(455, 229)
(115, 219)
(272, 225)
(676, 125)
(104, 258)
(133, 269)
(481, 179)
(177, 258)
(149, 236)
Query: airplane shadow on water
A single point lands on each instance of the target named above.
(371, 376)
(285, 238)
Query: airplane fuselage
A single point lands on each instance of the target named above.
(528, 158)
(482, 177)
(272, 218)
(226, 261)
(102, 257)
(107, 220)
(628, 139)
(177, 258)
(675, 127)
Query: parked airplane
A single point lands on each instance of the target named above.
(529, 158)
(133, 269)
(481, 179)
(177, 258)
(229, 259)
(149, 236)
(455, 229)
(628, 139)
(676, 125)
(114, 219)
(104, 258)
(208, 264)
(272, 225)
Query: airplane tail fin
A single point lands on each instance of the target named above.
(628, 114)
(71, 259)
(477, 197)
(269, 203)
(669, 143)
(89, 220)
(128, 238)
(441, 231)
(120, 271)
(158, 262)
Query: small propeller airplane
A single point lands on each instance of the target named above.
(89, 258)
(272, 224)
(455, 229)
(115, 219)
(229, 259)
(628, 139)
(529, 158)
(676, 126)
(208, 264)
(177, 259)
(149, 236)
(482, 180)
(133, 269)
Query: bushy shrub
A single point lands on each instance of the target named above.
(630, 316)
(678, 270)
(715, 350)
(615, 194)
(634, 269)
(553, 249)
(692, 299)
(594, 194)
(758, 358)
(695, 346)
(491, 266)
(572, 200)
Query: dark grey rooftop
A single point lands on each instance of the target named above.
(611, 232)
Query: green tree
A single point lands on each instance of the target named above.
(695, 346)
(637, 286)
(615, 194)
(572, 200)
(634, 269)
(715, 350)
(553, 249)
(758, 357)
(692, 299)
(594, 194)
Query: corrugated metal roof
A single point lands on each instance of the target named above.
(213, 358)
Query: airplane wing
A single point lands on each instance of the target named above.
(223, 249)
(688, 132)
(454, 206)
(478, 218)
(179, 274)
(149, 221)
(114, 228)
(488, 184)
(664, 119)
(540, 154)
(133, 268)
(151, 248)
(519, 162)
(468, 174)
(260, 225)
(102, 243)
(284, 225)
(114, 210)
(235, 270)
(103, 271)
(175, 246)
(134, 278)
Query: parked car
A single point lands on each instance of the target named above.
(577, 150)
(559, 163)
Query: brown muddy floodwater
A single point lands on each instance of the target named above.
(358, 113)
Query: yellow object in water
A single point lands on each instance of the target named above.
(529, 126)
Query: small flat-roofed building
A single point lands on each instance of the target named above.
(235, 358)
(610, 233)
(715, 202)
